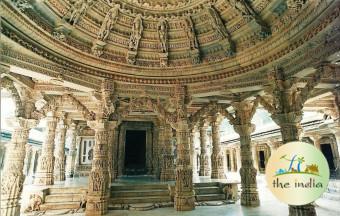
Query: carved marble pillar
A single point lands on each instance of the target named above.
(316, 139)
(111, 139)
(98, 190)
(12, 177)
(77, 158)
(204, 157)
(193, 155)
(249, 194)
(168, 168)
(115, 156)
(217, 159)
(290, 125)
(238, 158)
(184, 194)
(28, 158)
(44, 175)
(155, 151)
(71, 157)
(255, 157)
(59, 153)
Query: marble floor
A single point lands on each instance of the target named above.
(269, 204)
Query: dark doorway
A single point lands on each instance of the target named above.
(135, 149)
(262, 161)
(326, 149)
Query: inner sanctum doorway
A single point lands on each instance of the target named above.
(135, 152)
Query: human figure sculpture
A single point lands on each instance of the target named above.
(242, 6)
(188, 27)
(217, 24)
(78, 9)
(109, 20)
(136, 33)
(162, 29)
(34, 203)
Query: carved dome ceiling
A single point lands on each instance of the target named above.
(170, 41)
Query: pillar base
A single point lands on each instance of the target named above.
(96, 205)
(184, 202)
(59, 178)
(9, 207)
(217, 174)
(308, 209)
(250, 198)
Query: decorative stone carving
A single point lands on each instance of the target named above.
(162, 30)
(168, 168)
(204, 157)
(136, 35)
(98, 48)
(217, 159)
(111, 142)
(44, 174)
(218, 26)
(241, 122)
(189, 30)
(98, 192)
(295, 5)
(12, 177)
(70, 160)
(34, 203)
(59, 153)
(109, 21)
(78, 9)
(247, 12)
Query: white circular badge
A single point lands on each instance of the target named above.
(297, 173)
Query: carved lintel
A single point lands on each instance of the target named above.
(131, 57)
(163, 59)
(98, 48)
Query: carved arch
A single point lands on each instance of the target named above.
(8, 84)
(56, 101)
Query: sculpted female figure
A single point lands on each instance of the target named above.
(136, 34)
(109, 20)
(162, 29)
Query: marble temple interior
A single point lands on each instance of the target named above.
(164, 107)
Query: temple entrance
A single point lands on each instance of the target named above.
(262, 161)
(326, 149)
(135, 150)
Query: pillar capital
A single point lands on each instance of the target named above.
(203, 124)
(19, 122)
(244, 129)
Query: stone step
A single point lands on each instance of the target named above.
(131, 200)
(139, 193)
(334, 183)
(207, 190)
(206, 184)
(331, 196)
(61, 205)
(57, 198)
(210, 197)
(139, 187)
(65, 190)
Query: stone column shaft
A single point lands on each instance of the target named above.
(204, 157)
(184, 195)
(231, 158)
(217, 160)
(255, 157)
(249, 194)
(168, 168)
(111, 140)
(98, 190)
(44, 175)
(193, 155)
(12, 176)
(59, 154)
(71, 157)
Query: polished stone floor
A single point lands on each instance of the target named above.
(269, 204)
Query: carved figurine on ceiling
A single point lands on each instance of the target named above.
(78, 9)
(162, 29)
(189, 29)
(247, 12)
(216, 22)
(244, 8)
(136, 33)
(295, 5)
(109, 21)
